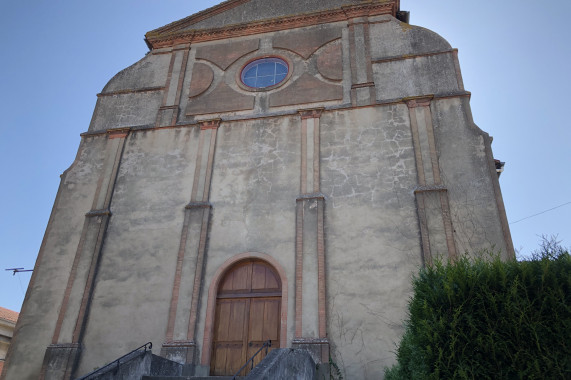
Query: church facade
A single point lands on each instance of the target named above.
(268, 171)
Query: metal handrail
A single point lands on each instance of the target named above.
(266, 344)
(146, 346)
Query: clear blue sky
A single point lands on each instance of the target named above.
(57, 55)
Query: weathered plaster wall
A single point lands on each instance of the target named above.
(465, 171)
(150, 71)
(133, 96)
(131, 300)
(133, 109)
(392, 38)
(253, 211)
(372, 236)
(410, 61)
(424, 75)
(254, 187)
(35, 327)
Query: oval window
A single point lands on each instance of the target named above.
(265, 72)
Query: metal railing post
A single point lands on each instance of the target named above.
(266, 344)
(148, 345)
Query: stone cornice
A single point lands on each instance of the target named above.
(180, 343)
(429, 188)
(65, 345)
(117, 133)
(305, 197)
(197, 17)
(412, 56)
(418, 101)
(311, 113)
(171, 35)
(340, 107)
(310, 341)
(130, 91)
(210, 124)
(193, 205)
(93, 213)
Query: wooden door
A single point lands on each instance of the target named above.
(247, 314)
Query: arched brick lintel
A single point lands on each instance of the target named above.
(213, 291)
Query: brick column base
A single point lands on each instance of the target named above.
(318, 348)
(319, 351)
(59, 361)
(183, 352)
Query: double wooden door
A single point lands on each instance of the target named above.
(247, 314)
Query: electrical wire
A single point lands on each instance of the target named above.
(21, 287)
(542, 212)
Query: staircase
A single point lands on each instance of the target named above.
(189, 377)
(279, 364)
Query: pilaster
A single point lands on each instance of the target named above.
(310, 292)
(437, 232)
(169, 110)
(62, 356)
(362, 84)
(180, 344)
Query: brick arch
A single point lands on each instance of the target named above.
(213, 292)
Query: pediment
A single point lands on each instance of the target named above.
(242, 17)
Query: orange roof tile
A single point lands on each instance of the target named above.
(8, 315)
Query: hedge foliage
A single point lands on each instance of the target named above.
(489, 319)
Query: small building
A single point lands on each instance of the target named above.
(8, 320)
(270, 170)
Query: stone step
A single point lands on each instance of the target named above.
(190, 378)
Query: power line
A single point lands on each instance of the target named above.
(21, 287)
(539, 213)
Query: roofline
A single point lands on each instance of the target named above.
(8, 321)
(197, 17)
(171, 34)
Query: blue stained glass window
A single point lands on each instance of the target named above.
(264, 72)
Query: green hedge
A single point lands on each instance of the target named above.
(489, 319)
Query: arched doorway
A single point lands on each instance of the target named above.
(248, 309)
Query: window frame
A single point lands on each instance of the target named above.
(240, 73)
